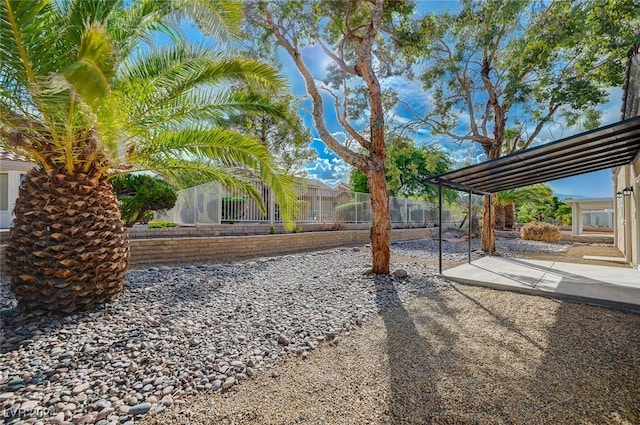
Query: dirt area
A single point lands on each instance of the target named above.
(575, 255)
(463, 355)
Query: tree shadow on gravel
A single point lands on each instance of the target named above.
(414, 361)
(590, 371)
(522, 359)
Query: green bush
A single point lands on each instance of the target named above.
(349, 212)
(140, 194)
(272, 230)
(540, 231)
(160, 224)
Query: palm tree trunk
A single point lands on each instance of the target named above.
(500, 216)
(67, 249)
(509, 216)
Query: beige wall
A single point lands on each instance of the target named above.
(13, 169)
(627, 210)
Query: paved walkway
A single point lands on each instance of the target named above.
(609, 286)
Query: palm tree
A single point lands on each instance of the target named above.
(94, 89)
(506, 200)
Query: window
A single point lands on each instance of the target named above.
(4, 191)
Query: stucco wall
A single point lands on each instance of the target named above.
(627, 209)
(14, 169)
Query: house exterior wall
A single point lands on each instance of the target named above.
(11, 172)
(627, 208)
(627, 212)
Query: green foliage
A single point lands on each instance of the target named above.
(352, 211)
(358, 181)
(539, 59)
(407, 168)
(532, 211)
(140, 194)
(272, 230)
(160, 224)
(539, 231)
(81, 92)
(537, 193)
(297, 229)
(287, 138)
(563, 214)
(535, 203)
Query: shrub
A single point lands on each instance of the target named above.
(139, 194)
(160, 224)
(539, 231)
(297, 229)
(272, 230)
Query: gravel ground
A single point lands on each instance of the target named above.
(207, 344)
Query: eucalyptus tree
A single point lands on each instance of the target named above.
(498, 72)
(90, 90)
(353, 36)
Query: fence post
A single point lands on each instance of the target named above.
(406, 211)
(356, 208)
(219, 202)
(318, 216)
(272, 207)
(194, 206)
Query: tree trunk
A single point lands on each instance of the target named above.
(381, 222)
(509, 216)
(488, 231)
(500, 216)
(492, 152)
(67, 249)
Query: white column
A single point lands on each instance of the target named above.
(576, 219)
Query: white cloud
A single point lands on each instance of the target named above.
(330, 171)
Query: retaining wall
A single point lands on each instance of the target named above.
(193, 250)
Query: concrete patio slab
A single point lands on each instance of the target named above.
(601, 285)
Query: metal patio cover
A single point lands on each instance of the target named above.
(605, 147)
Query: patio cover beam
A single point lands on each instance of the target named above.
(605, 147)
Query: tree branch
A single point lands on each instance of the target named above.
(541, 123)
(344, 123)
(353, 158)
(341, 63)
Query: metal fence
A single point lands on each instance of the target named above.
(212, 204)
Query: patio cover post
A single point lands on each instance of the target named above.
(440, 227)
(490, 228)
(470, 227)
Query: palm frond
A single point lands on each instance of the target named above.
(204, 144)
(220, 19)
(211, 107)
(90, 75)
(184, 173)
(522, 194)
